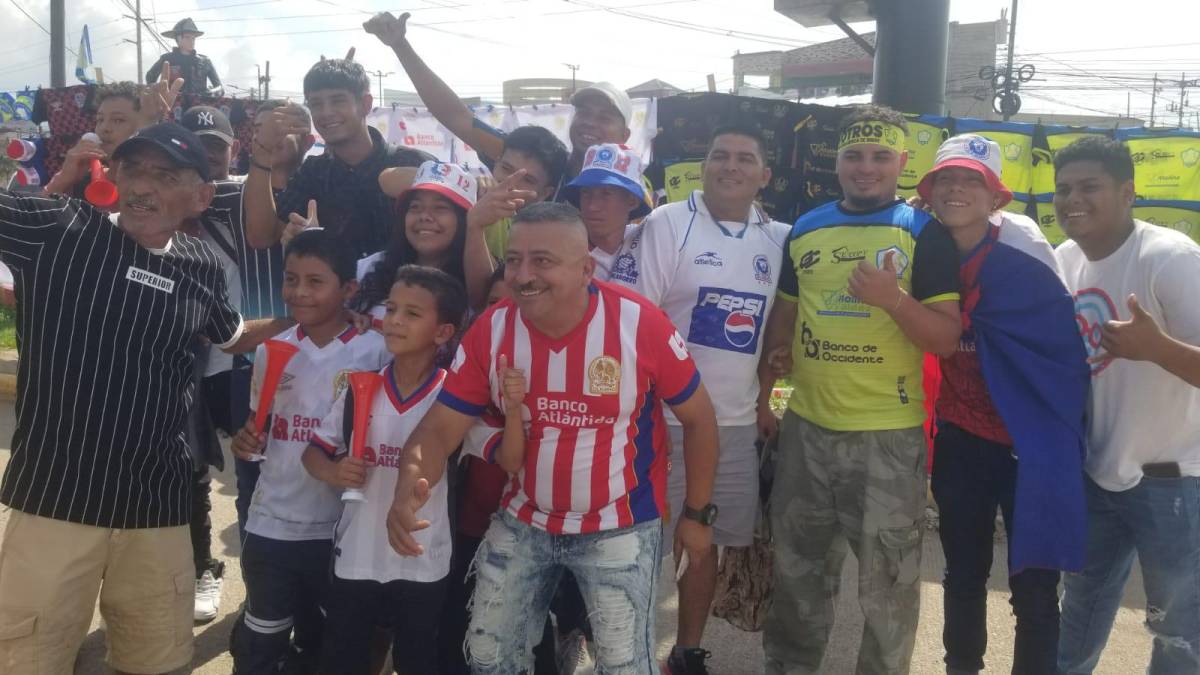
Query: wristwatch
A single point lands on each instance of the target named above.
(706, 515)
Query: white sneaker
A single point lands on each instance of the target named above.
(208, 594)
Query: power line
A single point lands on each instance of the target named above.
(29, 16)
(710, 30)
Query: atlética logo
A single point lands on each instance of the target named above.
(709, 258)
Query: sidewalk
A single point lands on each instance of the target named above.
(8, 375)
(734, 652)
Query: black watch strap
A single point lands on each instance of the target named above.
(706, 515)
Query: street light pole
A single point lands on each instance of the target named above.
(573, 69)
(380, 74)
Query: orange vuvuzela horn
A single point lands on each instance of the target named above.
(101, 191)
(278, 355)
(364, 385)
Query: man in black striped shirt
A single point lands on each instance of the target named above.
(100, 476)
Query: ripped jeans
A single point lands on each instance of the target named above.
(1158, 520)
(518, 567)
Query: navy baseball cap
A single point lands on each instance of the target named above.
(182, 146)
(204, 120)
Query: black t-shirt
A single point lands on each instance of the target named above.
(105, 371)
(349, 200)
(196, 70)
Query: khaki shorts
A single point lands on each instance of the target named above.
(735, 486)
(50, 574)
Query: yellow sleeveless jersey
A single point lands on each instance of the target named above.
(852, 367)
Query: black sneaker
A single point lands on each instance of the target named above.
(687, 662)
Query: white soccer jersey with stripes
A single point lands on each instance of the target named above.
(361, 549)
(105, 369)
(596, 445)
(289, 504)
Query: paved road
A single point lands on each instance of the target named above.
(734, 652)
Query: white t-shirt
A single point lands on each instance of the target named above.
(360, 545)
(1138, 413)
(716, 281)
(289, 504)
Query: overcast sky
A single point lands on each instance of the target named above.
(1089, 57)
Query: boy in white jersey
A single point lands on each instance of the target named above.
(372, 585)
(712, 262)
(289, 533)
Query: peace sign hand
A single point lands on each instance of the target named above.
(500, 201)
(158, 99)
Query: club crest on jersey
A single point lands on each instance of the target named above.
(340, 381)
(727, 319)
(624, 269)
(899, 259)
(604, 376)
(762, 269)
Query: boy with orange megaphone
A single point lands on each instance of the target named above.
(289, 531)
(373, 585)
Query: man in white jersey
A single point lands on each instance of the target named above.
(712, 263)
(1135, 287)
(609, 194)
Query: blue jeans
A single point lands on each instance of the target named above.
(518, 568)
(1159, 521)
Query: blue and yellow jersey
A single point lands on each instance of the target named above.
(852, 367)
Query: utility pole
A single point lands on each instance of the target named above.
(258, 87)
(1012, 42)
(137, 22)
(380, 74)
(58, 40)
(1153, 99)
(266, 82)
(1182, 96)
(573, 69)
(1006, 83)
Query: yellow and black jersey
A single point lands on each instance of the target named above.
(853, 368)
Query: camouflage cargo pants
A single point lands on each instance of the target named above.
(836, 491)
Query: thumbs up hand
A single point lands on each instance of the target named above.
(1138, 339)
(877, 286)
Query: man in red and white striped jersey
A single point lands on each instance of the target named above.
(590, 497)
